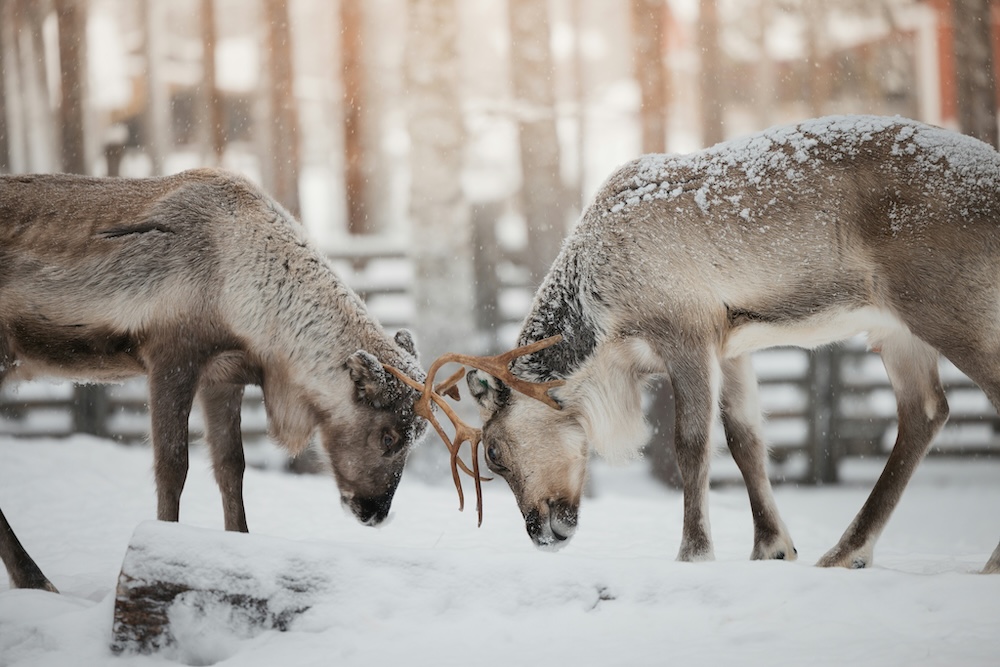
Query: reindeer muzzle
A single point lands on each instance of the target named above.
(551, 525)
(368, 511)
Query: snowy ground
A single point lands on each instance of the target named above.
(432, 589)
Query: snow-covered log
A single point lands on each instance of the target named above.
(178, 582)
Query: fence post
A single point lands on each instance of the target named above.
(660, 451)
(90, 410)
(485, 257)
(822, 447)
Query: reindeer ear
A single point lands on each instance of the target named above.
(370, 379)
(405, 340)
(490, 393)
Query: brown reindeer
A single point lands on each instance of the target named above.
(204, 284)
(683, 265)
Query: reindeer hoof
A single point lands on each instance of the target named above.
(696, 552)
(853, 559)
(780, 548)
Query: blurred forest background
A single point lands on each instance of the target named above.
(440, 150)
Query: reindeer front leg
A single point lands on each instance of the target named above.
(221, 406)
(695, 380)
(172, 384)
(741, 420)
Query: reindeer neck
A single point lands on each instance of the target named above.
(563, 305)
(294, 308)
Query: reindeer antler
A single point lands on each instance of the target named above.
(497, 366)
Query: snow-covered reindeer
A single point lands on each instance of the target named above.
(204, 284)
(683, 265)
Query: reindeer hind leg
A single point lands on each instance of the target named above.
(984, 370)
(23, 571)
(912, 366)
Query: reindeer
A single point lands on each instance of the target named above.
(204, 284)
(683, 265)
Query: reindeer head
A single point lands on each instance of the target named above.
(367, 426)
(530, 441)
(540, 450)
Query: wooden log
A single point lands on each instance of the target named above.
(177, 581)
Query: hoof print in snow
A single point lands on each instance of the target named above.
(604, 594)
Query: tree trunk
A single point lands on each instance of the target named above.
(5, 37)
(284, 112)
(766, 90)
(158, 135)
(977, 109)
(90, 401)
(214, 126)
(39, 151)
(712, 99)
(532, 76)
(818, 78)
(72, 23)
(580, 98)
(356, 116)
(165, 594)
(438, 210)
(650, 43)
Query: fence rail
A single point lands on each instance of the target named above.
(821, 407)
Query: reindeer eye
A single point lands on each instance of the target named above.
(389, 442)
(493, 457)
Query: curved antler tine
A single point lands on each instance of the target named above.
(529, 348)
(404, 378)
(448, 388)
(474, 445)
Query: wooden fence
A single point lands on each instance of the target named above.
(821, 406)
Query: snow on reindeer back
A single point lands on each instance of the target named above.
(749, 175)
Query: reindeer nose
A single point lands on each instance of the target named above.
(369, 511)
(562, 519)
(550, 529)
